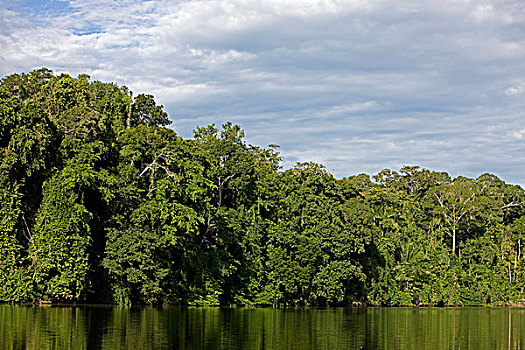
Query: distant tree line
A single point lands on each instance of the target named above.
(101, 202)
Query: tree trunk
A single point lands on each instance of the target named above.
(454, 239)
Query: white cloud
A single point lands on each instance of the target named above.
(483, 12)
(517, 89)
(358, 85)
(519, 134)
(350, 108)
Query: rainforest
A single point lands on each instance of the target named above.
(102, 202)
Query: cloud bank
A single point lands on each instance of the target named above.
(355, 85)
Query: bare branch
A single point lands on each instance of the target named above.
(510, 205)
(145, 169)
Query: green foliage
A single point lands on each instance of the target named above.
(145, 110)
(100, 202)
(61, 237)
(312, 247)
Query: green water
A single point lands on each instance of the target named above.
(104, 327)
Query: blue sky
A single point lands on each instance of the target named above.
(356, 85)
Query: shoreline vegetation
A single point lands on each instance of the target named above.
(52, 304)
(101, 202)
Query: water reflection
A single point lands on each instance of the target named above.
(105, 327)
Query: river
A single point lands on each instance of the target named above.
(109, 327)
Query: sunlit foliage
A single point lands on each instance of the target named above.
(101, 202)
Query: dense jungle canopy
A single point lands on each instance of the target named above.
(101, 202)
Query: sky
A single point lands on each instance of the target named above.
(356, 85)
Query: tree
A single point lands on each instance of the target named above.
(454, 202)
(314, 247)
(145, 110)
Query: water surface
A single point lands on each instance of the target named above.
(107, 327)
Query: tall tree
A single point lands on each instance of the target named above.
(454, 202)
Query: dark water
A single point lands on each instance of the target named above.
(103, 327)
